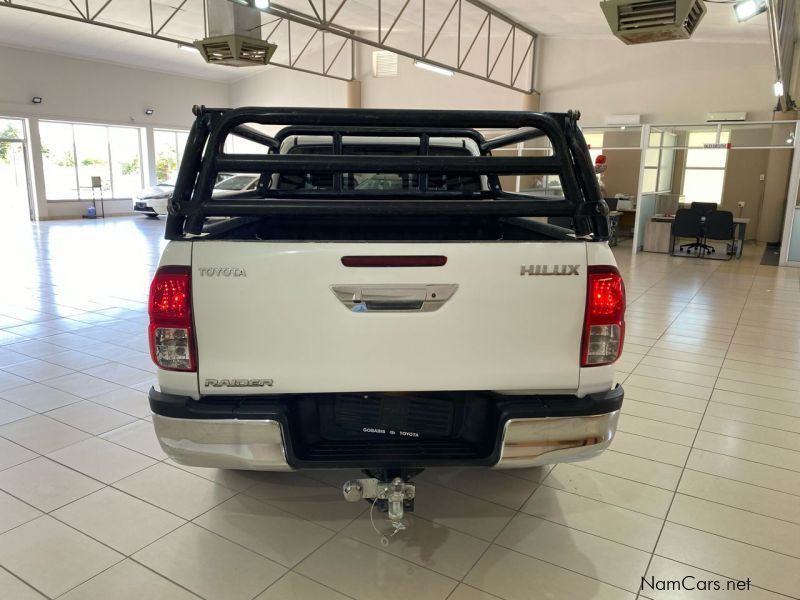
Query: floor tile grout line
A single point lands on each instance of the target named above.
(26, 583)
(751, 441)
(688, 456)
(761, 487)
(744, 510)
(757, 462)
(725, 576)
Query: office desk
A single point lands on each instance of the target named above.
(627, 217)
(739, 222)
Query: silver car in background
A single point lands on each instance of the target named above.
(153, 201)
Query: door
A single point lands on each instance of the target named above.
(15, 200)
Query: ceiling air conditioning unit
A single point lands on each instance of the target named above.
(644, 21)
(235, 50)
(724, 117)
(231, 42)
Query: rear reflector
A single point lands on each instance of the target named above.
(394, 261)
(604, 323)
(170, 308)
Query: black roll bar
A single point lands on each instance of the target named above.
(570, 161)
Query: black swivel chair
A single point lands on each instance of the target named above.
(703, 209)
(719, 226)
(688, 224)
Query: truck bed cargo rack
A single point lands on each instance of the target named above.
(205, 157)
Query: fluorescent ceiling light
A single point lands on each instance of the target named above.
(777, 88)
(187, 48)
(434, 68)
(747, 9)
(261, 4)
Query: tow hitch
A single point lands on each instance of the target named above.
(393, 497)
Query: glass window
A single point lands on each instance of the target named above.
(169, 147)
(650, 181)
(705, 167)
(74, 154)
(703, 185)
(126, 162)
(238, 183)
(595, 143)
(11, 129)
(239, 145)
(58, 157)
(91, 148)
(666, 162)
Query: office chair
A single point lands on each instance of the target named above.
(703, 209)
(687, 223)
(719, 226)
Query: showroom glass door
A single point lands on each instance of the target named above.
(15, 199)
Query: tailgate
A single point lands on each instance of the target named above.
(294, 314)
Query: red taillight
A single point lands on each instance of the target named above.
(604, 323)
(170, 307)
(394, 261)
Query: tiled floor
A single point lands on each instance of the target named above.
(703, 479)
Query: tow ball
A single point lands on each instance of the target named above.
(393, 497)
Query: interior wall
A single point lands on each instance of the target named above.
(418, 88)
(282, 87)
(81, 90)
(779, 166)
(743, 183)
(100, 92)
(622, 171)
(667, 82)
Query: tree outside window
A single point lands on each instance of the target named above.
(74, 153)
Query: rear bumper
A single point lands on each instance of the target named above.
(267, 433)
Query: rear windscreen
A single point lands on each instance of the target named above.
(391, 182)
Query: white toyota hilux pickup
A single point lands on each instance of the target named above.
(379, 301)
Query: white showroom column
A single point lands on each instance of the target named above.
(638, 226)
(354, 94)
(530, 102)
(150, 155)
(36, 174)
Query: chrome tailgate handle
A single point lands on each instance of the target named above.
(394, 297)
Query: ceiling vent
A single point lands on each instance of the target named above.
(384, 64)
(645, 21)
(235, 50)
(231, 41)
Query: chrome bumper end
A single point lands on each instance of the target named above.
(550, 440)
(259, 444)
(223, 443)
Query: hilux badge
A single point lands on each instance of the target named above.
(549, 270)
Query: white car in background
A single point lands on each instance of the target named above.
(153, 201)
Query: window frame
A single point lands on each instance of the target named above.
(178, 149)
(719, 133)
(109, 156)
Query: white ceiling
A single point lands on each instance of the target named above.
(573, 18)
(584, 18)
(25, 29)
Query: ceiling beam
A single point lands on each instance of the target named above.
(458, 64)
(323, 69)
